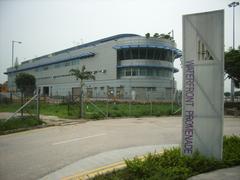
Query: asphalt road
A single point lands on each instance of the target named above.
(34, 154)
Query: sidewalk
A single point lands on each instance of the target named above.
(103, 159)
(221, 174)
(110, 160)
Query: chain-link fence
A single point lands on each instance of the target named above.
(21, 105)
(98, 108)
(93, 108)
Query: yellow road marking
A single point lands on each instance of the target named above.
(102, 170)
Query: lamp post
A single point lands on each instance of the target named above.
(19, 42)
(11, 87)
(233, 5)
(173, 84)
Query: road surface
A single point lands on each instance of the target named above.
(36, 153)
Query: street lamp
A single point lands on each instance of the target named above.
(11, 85)
(233, 5)
(19, 42)
(173, 57)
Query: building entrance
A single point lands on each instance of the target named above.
(45, 91)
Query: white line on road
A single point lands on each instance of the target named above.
(78, 139)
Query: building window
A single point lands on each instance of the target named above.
(149, 72)
(135, 53)
(135, 71)
(151, 89)
(143, 71)
(45, 68)
(144, 53)
(128, 72)
(57, 65)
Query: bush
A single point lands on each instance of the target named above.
(94, 115)
(18, 123)
(171, 165)
(231, 150)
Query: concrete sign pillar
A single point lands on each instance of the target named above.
(203, 83)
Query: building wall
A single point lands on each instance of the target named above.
(54, 79)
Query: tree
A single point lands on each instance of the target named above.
(227, 94)
(237, 93)
(26, 83)
(165, 36)
(82, 75)
(147, 35)
(156, 35)
(232, 65)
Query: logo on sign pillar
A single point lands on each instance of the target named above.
(203, 52)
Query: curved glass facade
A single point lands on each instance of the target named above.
(144, 71)
(148, 65)
(144, 53)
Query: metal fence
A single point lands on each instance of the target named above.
(21, 106)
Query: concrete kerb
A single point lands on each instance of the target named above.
(97, 171)
(102, 170)
(104, 162)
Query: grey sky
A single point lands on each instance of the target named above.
(46, 26)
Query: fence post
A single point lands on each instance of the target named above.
(107, 114)
(130, 107)
(68, 103)
(151, 108)
(38, 106)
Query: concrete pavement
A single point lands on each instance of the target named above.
(221, 174)
(103, 159)
(110, 160)
(38, 153)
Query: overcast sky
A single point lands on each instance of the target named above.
(46, 26)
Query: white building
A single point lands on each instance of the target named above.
(128, 66)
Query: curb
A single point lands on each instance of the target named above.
(102, 170)
(93, 173)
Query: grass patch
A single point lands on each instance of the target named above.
(127, 109)
(18, 123)
(10, 107)
(98, 110)
(172, 166)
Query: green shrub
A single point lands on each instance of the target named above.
(18, 123)
(136, 166)
(95, 116)
(231, 150)
(171, 165)
(198, 163)
(173, 173)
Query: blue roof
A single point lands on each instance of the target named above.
(80, 56)
(119, 36)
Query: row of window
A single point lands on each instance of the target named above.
(144, 71)
(58, 65)
(49, 77)
(145, 53)
(117, 88)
